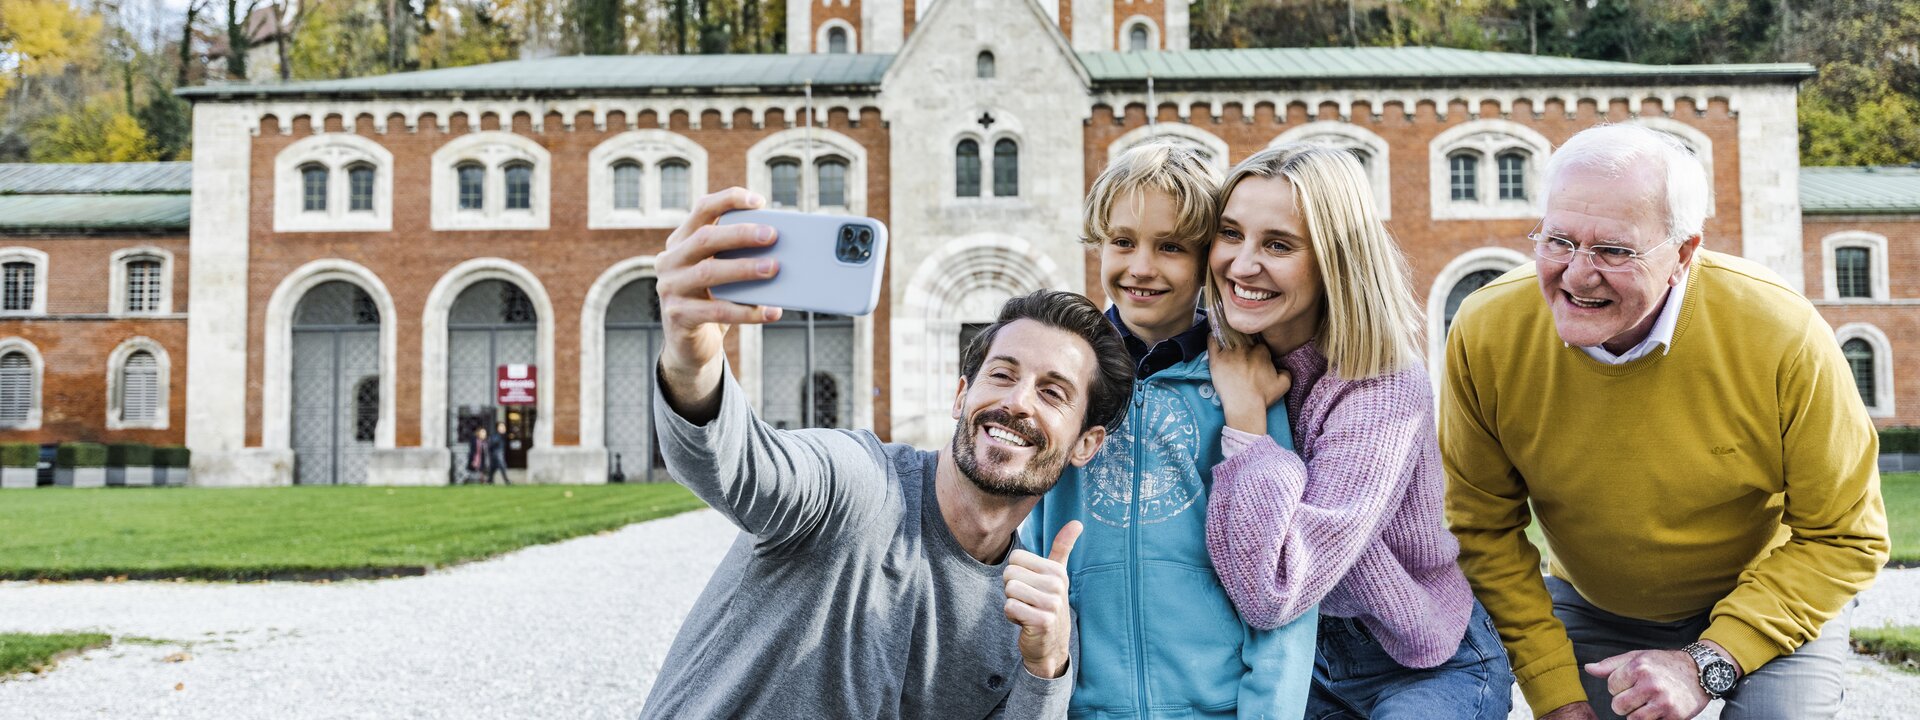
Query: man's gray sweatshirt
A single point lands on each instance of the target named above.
(845, 595)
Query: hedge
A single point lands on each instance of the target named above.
(1900, 440)
(19, 455)
(129, 455)
(172, 456)
(81, 455)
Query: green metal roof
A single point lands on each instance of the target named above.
(597, 74)
(78, 213)
(141, 177)
(1859, 190)
(1404, 63)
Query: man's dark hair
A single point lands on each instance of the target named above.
(1074, 313)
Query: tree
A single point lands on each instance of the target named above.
(95, 132)
(239, 39)
(167, 121)
(600, 26)
(45, 36)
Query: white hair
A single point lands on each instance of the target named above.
(1612, 149)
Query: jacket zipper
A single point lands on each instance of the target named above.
(1141, 698)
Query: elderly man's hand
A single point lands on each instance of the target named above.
(1653, 684)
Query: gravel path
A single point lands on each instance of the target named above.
(576, 629)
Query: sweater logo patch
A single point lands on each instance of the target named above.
(1169, 480)
(1723, 450)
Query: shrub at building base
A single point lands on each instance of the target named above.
(170, 465)
(129, 465)
(80, 465)
(1899, 449)
(19, 465)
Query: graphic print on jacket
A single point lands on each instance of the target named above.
(1169, 481)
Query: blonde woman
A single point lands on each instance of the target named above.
(1313, 305)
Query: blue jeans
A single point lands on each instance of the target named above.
(1353, 677)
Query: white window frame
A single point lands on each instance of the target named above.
(1126, 31)
(1215, 147)
(1347, 136)
(493, 150)
(336, 152)
(1467, 263)
(820, 36)
(1883, 374)
(38, 383)
(648, 148)
(38, 259)
(116, 384)
(1876, 246)
(792, 143)
(121, 269)
(1487, 139)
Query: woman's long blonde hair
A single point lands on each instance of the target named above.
(1371, 324)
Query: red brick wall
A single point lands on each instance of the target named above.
(567, 257)
(1124, 10)
(1901, 323)
(849, 13)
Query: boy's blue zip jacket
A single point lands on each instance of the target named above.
(1158, 636)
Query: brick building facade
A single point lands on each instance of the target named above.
(368, 253)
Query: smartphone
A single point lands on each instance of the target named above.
(828, 263)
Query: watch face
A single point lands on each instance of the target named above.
(1717, 677)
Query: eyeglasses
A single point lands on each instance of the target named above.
(1607, 258)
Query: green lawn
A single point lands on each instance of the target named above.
(21, 652)
(1902, 493)
(302, 532)
(1896, 644)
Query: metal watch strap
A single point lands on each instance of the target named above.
(1704, 656)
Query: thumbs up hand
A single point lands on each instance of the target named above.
(1037, 601)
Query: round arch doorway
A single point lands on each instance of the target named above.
(492, 323)
(336, 384)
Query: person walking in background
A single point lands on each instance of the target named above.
(476, 457)
(1686, 432)
(1158, 634)
(497, 454)
(1315, 311)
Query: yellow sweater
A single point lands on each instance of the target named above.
(1735, 473)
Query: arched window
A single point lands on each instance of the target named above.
(473, 180)
(1473, 281)
(1137, 38)
(983, 65)
(366, 408)
(17, 390)
(143, 286)
(786, 182)
(833, 182)
(360, 188)
(837, 41)
(140, 388)
(1513, 176)
(966, 169)
(626, 185)
(1006, 168)
(313, 188)
(1853, 272)
(519, 186)
(1463, 175)
(20, 286)
(674, 178)
(1860, 360)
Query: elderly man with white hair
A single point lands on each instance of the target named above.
(1686, 432)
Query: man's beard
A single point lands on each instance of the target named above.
(1036, 478)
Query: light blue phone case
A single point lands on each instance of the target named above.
(822, 268)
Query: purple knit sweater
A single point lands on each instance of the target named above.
(1354, 522)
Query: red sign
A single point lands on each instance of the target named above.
(518, 385)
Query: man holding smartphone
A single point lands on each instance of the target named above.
(870, 579)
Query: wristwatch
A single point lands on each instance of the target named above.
(1717, 675)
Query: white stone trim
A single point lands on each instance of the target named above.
(433, 344)
(1124, 40)
(792, 143)
(494, 150)
(1770, 224)
(1179, 23)
(216, 422)
(593, 344)
(1876, 247)
(648, 148)
(1344, 135)
(799, 19)
(1487, 139)
(1698, 142)
(34, 402)
(439, 112)
(1883, 374)
(1469, 262)
(38, 259)
(276, 431)
(820, 44)
(118, 275)
(337, 152)
(1349, 100)
(116, 384)
(1215, 147)
(988, 150)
